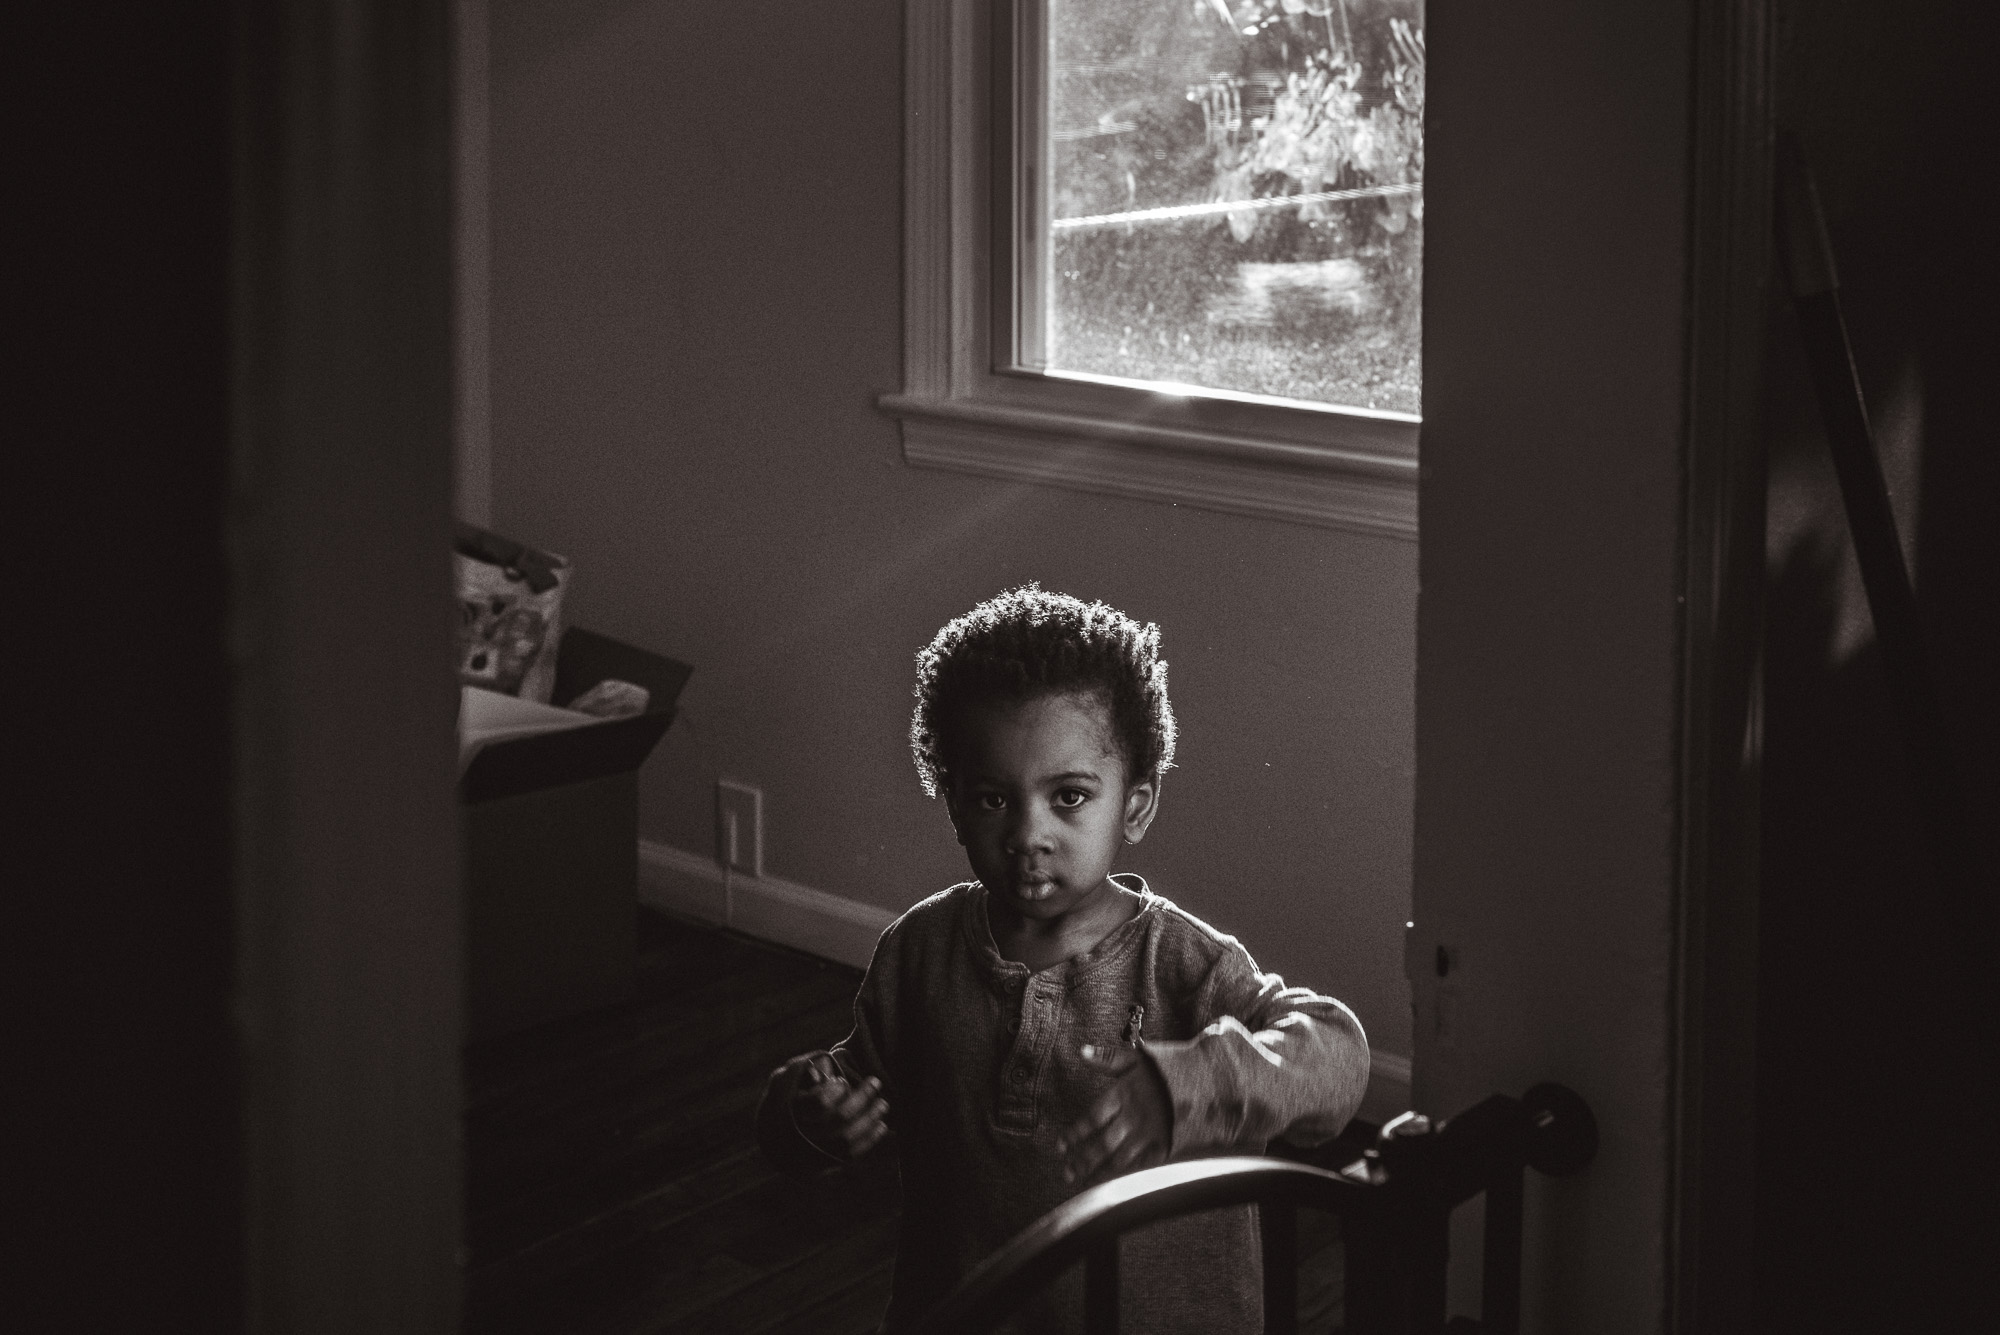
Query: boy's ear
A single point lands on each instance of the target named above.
(1142, 803)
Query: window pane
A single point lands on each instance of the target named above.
(1235, 195)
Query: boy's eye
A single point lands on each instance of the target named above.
(1071, 797)
(990, 802)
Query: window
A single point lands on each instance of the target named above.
(1169, 249)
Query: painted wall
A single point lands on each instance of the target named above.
(695, 233)
(1547, 638)
(696, 267)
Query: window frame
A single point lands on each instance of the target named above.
(963, 408)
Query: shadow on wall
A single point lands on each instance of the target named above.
(1862, 1000)
(1872, 1212)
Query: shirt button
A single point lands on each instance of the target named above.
(1013, 985)
(1020, 1075)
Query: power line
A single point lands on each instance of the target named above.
(1173, 211)
(1094, 132)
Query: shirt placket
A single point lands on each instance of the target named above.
(1036, 1022)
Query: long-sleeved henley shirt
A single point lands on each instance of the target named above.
(979, 1060)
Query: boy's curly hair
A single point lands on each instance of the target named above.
(1025, 644)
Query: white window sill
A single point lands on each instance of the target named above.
(1361, 490)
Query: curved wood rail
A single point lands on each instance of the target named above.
(1087, 1226)
(1397, 1198)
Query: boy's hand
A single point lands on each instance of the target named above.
(1129, 1126)
(840, 1119)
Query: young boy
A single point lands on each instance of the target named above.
(1050, 1024)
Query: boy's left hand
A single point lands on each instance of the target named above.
(1129, 1126)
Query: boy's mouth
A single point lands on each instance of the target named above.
(1035, 887)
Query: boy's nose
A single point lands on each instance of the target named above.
(1031, 831)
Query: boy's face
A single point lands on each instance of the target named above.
(1039, 798)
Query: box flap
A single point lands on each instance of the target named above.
(587, 658)
(524, 764)
(531, 746)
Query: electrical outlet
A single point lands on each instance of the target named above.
(739, 827)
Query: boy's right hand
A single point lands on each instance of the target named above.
(839, 1118)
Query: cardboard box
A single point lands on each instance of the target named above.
(550, 846)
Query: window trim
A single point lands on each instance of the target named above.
(1343, 468)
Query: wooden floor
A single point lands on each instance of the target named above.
(613, 1185)
(612, 1180)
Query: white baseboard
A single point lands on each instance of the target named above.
(833, 927)
(766, 907)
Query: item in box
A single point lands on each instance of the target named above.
(510, 605)
(612, 698)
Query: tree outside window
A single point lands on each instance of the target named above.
(1236, 196)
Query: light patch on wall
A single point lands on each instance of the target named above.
(1808, 521)
(932, 548)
